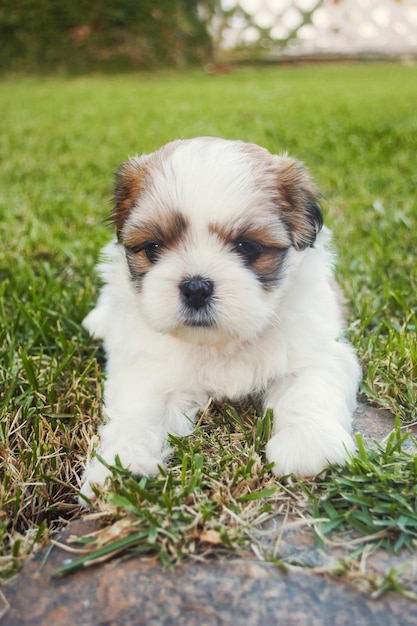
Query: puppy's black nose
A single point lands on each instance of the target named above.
(196, 292)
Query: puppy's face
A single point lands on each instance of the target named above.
(211, 231)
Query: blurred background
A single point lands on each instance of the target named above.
(119, 35)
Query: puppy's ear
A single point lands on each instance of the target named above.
(129, 184)
(298, 200)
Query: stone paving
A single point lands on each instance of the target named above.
(135, 591)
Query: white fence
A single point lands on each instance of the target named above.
(283, 28)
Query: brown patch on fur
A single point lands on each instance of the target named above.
(165, 234)
(272, 252)
(268, 267)
(265, 235)
(296, 196)
(294, 193)
(130, 183)
(138, 264)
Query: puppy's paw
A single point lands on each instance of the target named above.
(95, 474)
(137, 461)
(306, 449)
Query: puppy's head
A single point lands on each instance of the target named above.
(211, 229)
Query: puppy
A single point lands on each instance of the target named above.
(220, 285)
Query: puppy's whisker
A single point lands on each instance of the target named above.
(276, 320)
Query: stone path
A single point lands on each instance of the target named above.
(132, 591)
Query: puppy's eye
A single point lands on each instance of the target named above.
(250, 251)
(151, 249)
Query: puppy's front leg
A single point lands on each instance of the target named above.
(136, 429)
(312, 421)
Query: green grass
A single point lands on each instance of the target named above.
(374, 494)
(356, 129)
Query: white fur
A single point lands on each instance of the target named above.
(284, 344)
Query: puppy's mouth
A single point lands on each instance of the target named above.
(198, 322)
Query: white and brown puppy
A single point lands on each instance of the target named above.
(220, 285)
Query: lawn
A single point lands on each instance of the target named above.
(355, 126)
